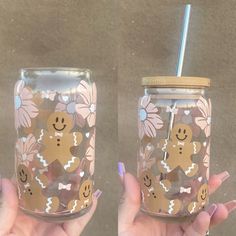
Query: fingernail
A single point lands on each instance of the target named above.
(231, 205)
(97, 193)
(121, 169)
(224, 176)
(212, 209)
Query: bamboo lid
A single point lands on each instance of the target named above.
(176, 82)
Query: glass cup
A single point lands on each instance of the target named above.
(55, 113)
(174, 152)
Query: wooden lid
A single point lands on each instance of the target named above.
(176, 82)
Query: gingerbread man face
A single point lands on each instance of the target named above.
(182, 133)
(59, 122)
(203, 193)
(85, 191)
(23, 174)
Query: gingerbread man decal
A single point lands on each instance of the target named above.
(30, 192)
(58, 141)
(84, 199)
(180, 150)
(202, 198)
(153, 194)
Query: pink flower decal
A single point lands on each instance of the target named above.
(204, 122)
(206, 160)
(149, 121)
(90, 154)
(145, 161)
(87, 107)
(67, 103)
(26, 149)
(25, 108)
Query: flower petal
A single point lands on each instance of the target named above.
(82, 109)
(155, 120)
(151, 108)
(83, 91)
(203, 106)
(94, 94)
(207, 130)
(149, 129)
(91, 119)
(201, 122)
(144, 101)
(90, 154)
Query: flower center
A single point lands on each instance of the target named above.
(208, 120)
(92, 108)
(71, 108)
(142, 114)
(17, 102)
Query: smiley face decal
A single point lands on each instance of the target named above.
(181, 132)
(85, 189)
(203, 193)
(22, 174)
(59, 122)
(147, 181)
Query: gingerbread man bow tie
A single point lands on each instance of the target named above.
(27, 185)
(185, 190)
(150, 189)
(58, 134)
(66, 186)
(180, 143)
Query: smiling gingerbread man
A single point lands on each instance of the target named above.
(84, 199)
(180, 149)
(202, 199)
(58, 141)
(153, 194)
(31, 192)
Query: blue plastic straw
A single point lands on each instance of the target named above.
(180, 62)
(183, 40)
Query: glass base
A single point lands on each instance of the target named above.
(56, 218)
(170, 218)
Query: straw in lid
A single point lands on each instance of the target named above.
(176, 82)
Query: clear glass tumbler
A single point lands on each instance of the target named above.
(55, 113)
(174, 154)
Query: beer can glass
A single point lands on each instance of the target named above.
(55, 113)
(174, 121)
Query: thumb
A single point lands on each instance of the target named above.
(130, 202)
(200, 225)
(9, 206)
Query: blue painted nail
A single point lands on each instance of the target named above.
(121, 169)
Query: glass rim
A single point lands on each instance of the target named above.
(25, 69)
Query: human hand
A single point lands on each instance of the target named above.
(132, 222)
(13, 222)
